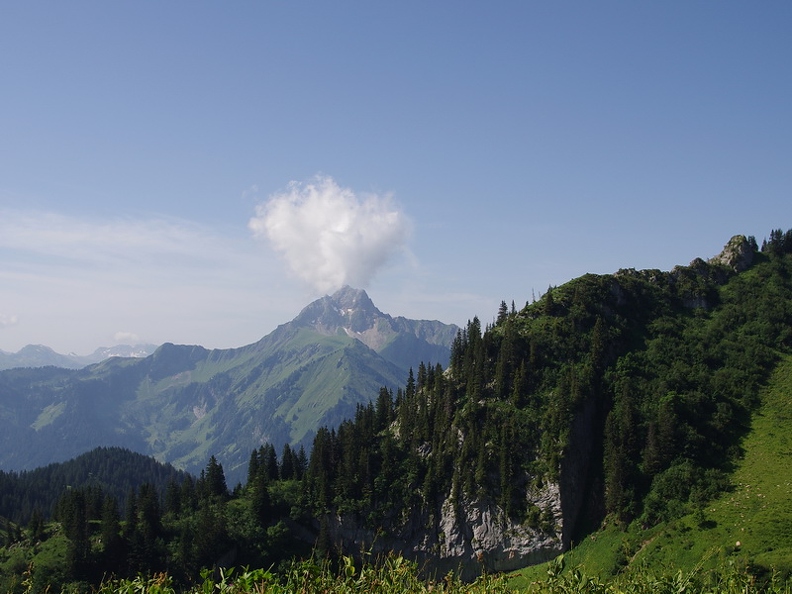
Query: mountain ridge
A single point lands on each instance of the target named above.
(184, 403)
(39, 355)
(352, 311)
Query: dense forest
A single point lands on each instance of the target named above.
(111, 470)
(630, 391)
(670, 364)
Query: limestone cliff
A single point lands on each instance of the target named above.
(466, 537)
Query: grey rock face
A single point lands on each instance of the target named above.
(468, 538)
(738, 254)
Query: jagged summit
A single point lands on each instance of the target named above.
(348, 309)
(349, 297)
(738, 254)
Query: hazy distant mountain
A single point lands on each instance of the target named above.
(37, 355)
(184, 403)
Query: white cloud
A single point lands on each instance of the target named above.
(328, 235)
(7, 321)
(126, 337)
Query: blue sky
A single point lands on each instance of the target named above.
(197, 172)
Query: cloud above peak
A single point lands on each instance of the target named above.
(329, 235)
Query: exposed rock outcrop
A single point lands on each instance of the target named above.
(399, 340)
(738, 254)
(467, 537)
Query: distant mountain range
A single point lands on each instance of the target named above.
(37, 355)
(182, 404)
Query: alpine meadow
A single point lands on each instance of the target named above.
(626, 432)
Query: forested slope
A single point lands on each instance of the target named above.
(628, 392)
(114, 471)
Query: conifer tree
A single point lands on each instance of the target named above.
(621, 456)
(302, 462)
(458, 347)
(114, 551)
(215, 479)
(254, 464)
(173, 498)
(130, 513)
(505, 467)
(260, 500)
(187, 493)
(36, 525)
(503, 313)
(288, 469)
(549, 304)
(384, 409)
(269, 459)
(409, 391)
(74, 519)
(320, 465)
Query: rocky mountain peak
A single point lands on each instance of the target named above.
(348, 299)
(738, 254)
(351, 312)
(347, 309)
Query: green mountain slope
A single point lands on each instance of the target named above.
(617, 398)
(752, 522)
(748, 526)
(183, 404)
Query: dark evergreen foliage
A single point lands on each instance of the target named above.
(670, 362)
(115, 470)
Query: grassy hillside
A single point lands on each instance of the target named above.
(750, 526)
(279, 390)
(184, 403)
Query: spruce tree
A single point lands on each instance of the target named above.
(254, 463)
(215, 479)
(112, 543)
(503, 313)
(261, 504)
(173, 498)
(288, 469)
(269, 459)
(302, 462)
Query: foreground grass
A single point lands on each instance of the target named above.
(398, 576)
(394, 575)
